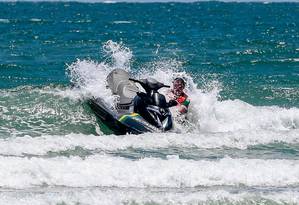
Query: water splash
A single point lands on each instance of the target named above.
(118, 55)
(89, 77)
(208, 113)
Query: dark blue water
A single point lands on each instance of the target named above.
(251, 47)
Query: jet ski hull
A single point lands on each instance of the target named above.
(120, 123)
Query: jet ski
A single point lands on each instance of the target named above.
(135, 111)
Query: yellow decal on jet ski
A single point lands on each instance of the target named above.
(122, 118)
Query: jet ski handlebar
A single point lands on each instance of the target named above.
(134, 80)
(150, 84)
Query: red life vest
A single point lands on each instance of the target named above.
(181, 99)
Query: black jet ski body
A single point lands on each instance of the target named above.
(135, 111)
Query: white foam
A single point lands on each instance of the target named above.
(232, 115)
(106, 171)
(20, 146)
(143, 196)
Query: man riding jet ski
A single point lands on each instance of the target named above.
(178, 95)
(135, 111)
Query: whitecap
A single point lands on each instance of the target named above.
(122, 22)
(107, 171)
(4, 21)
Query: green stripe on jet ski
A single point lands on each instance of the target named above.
(122, 118)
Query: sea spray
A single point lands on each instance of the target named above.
(118, 55)
(89, 77)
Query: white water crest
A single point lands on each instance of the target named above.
(108, 171)
(112, 196)
(233, 115)
(22, 146)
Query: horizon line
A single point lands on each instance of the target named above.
(151, 1)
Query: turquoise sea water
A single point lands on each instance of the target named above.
(241, 62)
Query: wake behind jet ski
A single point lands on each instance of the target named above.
(135, 111)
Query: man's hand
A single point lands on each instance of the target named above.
(172, 103)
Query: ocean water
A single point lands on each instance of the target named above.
(241, 142)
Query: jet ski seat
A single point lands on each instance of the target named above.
(119, 83)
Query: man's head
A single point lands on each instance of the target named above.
(178, 86)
